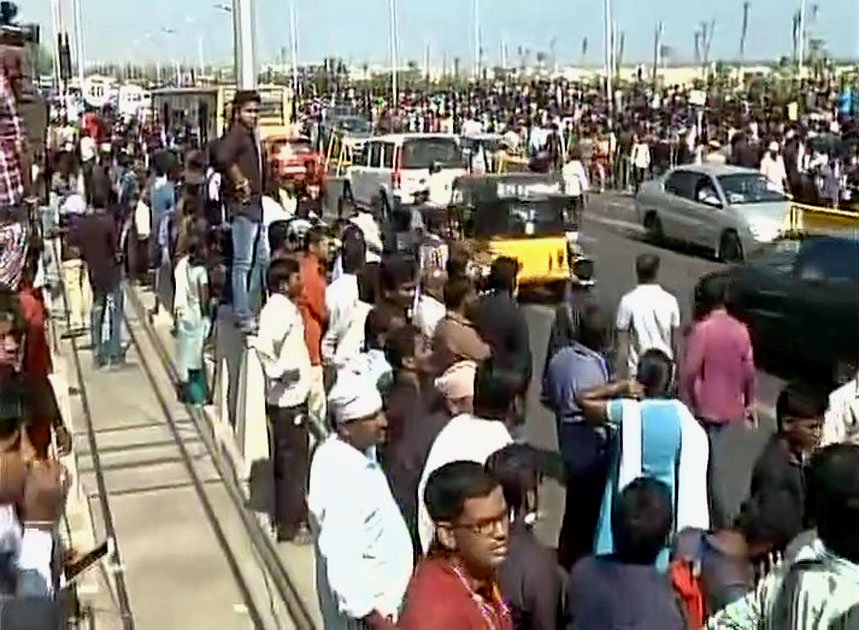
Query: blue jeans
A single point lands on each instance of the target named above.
(107, 304)
(249, 263)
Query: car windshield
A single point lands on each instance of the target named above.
(520, 218)
(746, 188)
(425, 152)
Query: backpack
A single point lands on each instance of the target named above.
(685, 578)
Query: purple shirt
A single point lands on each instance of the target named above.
(718, 375)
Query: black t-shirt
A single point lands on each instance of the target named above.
(779, 475)
(97, 238)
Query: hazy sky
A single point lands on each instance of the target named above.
(357, 30)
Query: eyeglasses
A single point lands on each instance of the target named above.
(486, 526)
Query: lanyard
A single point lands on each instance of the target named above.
(492, 615)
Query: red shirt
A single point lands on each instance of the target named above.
(37, 354)
(312, 305)
(718, 374)
(439, 599)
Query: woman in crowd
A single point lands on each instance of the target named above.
(193, 322)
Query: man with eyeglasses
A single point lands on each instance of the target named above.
(456, 586)
(240, 157)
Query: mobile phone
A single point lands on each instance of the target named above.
(73, 569)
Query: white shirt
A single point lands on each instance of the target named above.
(464, 438)
(641, 155)
(841, 422)
(575, 178)
(341, 300)
(428, 313)
(88, 149)
(272, 211)
(363, 547)
(372, 235)
(773, 170)
(281, 348)
(648, 313)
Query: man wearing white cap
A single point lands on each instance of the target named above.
(363, 548)
(772, 167)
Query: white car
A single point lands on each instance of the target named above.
(728, 209)
(404, 169)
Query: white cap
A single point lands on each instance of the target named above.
(354, 396)
(774, 146)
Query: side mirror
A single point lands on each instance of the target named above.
(434, 168)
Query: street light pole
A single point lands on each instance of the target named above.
(293, 37)
(801, 37)
(244, 33)
(79, 43)
(393, 9)
(609, 44)
(477, 39)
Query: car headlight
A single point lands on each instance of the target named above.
(765, 231)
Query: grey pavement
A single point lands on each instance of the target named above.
(187, 559)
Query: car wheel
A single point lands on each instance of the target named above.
(730, 248)
(653, 228)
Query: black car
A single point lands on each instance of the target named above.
(800, 300)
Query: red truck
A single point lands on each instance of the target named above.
(294, 160)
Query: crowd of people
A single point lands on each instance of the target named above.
(422, 501)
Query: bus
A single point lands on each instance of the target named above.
(206, 111)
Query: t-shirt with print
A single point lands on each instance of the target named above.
(648, 313)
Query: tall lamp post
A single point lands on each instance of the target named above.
(393, 9)
(244, 33)
(293, 45)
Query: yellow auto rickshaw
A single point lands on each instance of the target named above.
(524, 216)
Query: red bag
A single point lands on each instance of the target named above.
(685, 577)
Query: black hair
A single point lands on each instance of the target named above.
(516, 468)
(833, 498)
(495, 389)
(593, 328)
(400, 345)
(771, 519)
(502, 275)
(280, 271)
(641, 521)
(278, 235)
(397, 271)
(456, 268)
(13, 409)
(709, 295)
(243, 97)
(655, 373)
(449, 487)
(646, 268)
(799, 399)
(455, 293)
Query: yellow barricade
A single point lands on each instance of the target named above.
(808, 219)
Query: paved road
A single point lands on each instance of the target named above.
(612, 237)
